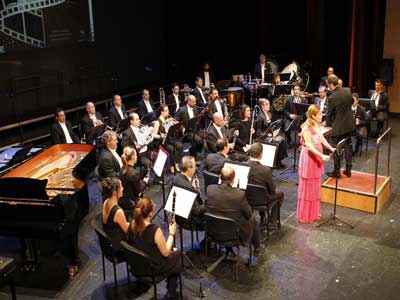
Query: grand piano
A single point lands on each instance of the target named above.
(46, 198)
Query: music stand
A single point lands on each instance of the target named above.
(96, 132)
(149, 118)
(158, 169)
(193, 123)
(333, 217)
(283, 89)
(122, 125)
(285, 76)
(241, 173)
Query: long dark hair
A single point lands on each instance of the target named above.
(142, 210)
(243, 111)
(109, 185)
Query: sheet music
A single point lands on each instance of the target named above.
(159, 164)
(184, 201)
(241, 174)
(268, 155)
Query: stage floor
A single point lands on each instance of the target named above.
(301, 262)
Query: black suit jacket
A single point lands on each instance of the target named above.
(257, 70)
(212, 136)
(361, 114)
(108, 164)
(211, 75)
(198, 208)
(132, 183)
(114, 117)
(215, 162)
(57, 134)
(383, 101)
(213, 109)
(129, 138)
(87, 124)
(199, 99)
(172, 104)
(230, 202)
(339, 115)
(183, 116)
(262, 175)
(142, 109)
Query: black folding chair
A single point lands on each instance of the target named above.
(224, 231)
(256, 195)
(209, 178)
(107, 250)
(143, 267)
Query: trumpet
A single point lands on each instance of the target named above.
(196, 182)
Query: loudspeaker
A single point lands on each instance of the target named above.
(386, 70)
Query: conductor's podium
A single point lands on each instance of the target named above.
(357, 191)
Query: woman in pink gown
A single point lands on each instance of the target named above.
(311, 166)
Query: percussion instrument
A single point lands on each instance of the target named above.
(233, 96)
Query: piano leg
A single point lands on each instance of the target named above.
(29, 254)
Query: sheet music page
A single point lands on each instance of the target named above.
(268, 155)
(241, 174)
(184, 201)
(162, 156)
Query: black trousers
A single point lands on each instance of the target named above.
(196, 143)
(348, 151)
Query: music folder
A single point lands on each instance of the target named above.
(268, 154)
(160, 160)
(184, 200)
(149, 118)
(301, 108)
(285, 76)
(283, 89)
(241, 173)
(123, 124)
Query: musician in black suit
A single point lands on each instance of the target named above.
(185, 114)
(89, 121)
(380, 105)
(109, 162)
(145, 106)
(117, 112)
(290, 113)
(207, 75)
(215, 131)
(262, 175)
(174, 100)
(217, 104)
(215, 161)
(329, 71)
(199, 93)
(61, 131)
(361, 118)
(262, 68)
(340, 118)
(224, 200)
(130, 138)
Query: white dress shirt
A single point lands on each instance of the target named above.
(262, 72)
(375, 97)
(120, 112)
(117, 157)
(218, 130)
(94, 119)
(322, 103)
(66, 133)
(207, 79)
(190, 112)
(202, 95)
(176, 97)
(148, 106)
(218, 106)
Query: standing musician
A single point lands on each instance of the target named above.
(340, 118)
(245, 129)
(109, 162)
(361, 117)
(217, 131)
(132, 137)
(171, 144)
(89, 121)
(117, 112)
(380, 105)
(329, 71)
(174, 100)
(145, 106)
(198, 92)
(207, 75)
(264, 132)
(185, 114)
(262, 68)
(290, 112)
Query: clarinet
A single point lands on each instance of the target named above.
(173, 207)
(162, 96)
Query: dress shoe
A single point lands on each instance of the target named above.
(333, 174)
(72, 270)
(259, 250)
(347, 173)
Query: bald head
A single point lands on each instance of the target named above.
(191, 100)
(227, 175)
(218, 119)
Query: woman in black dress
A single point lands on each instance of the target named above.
(149, 238)
(244, 126)
(171, 144)
(265, 133)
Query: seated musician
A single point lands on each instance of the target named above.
(217, 105)
(290, 112)
(145, 105)
(89, 121)
(188, 179)
(264, 132)
(113, 217)
(199, 93)
(149, 238)
(109, 162)
(262, 175)
(131, 180)
(381, 104)
(245, 130)
(322, 100)
(329, 71)
(185, 114)
(227, 201)
(361, 117)
(117, 112)
(171, 144)
(61, 131)
(174, 100)
(215, 161)
(132, 137)
(215, 131)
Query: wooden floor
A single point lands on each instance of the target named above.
(300, 262)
